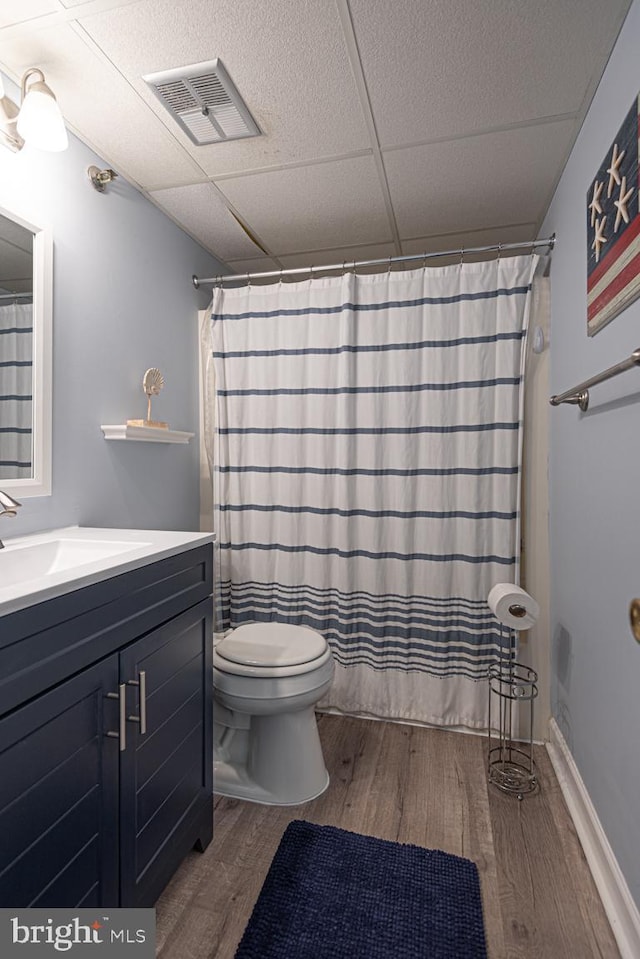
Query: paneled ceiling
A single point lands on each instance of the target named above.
(386, 127)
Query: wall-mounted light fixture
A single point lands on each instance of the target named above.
(37, 121)
(101, 178)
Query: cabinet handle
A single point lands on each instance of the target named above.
(121, 696)
(634, 617)
(142, 718)
(143, 702)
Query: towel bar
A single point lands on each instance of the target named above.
(580, 394)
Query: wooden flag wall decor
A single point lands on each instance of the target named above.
(613, 228)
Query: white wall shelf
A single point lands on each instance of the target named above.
(144, 434)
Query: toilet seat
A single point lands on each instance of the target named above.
(271, 649)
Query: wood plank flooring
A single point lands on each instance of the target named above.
(416, 785)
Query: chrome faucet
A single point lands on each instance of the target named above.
(9, 506)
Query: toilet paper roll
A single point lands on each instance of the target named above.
(513, 606)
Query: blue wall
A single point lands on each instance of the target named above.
(595, 494)
(123, 302)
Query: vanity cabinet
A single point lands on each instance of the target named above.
(105, 737)
(58, 795)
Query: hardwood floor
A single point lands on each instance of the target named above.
(416, 785)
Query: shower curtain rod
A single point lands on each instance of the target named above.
(14, 296)
(354, 264)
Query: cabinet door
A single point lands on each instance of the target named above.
(166, 771)
(59, 796)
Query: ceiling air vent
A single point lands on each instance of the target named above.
(204, 101)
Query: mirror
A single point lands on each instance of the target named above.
(25, 356)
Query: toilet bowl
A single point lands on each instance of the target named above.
(267, 678)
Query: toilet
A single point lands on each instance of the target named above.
(267, 678)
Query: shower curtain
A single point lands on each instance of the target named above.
(16, 329)
(367, 455)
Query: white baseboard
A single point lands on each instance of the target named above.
(618, 903)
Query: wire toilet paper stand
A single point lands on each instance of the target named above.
(510, 763)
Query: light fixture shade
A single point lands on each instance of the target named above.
(40, 121)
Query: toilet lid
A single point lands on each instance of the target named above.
(271, 644)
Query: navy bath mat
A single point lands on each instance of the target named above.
(332, 894)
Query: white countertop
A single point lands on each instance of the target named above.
(44, 565)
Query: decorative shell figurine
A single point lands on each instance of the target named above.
(152, 383)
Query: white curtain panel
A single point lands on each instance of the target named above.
(16, 376)
(367, 473)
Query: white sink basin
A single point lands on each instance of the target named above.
(45, 565)
(22, 563)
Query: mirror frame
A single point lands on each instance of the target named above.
(39, 484)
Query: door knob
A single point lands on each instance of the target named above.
(634, 618)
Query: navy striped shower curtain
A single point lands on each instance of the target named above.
(367, 453)
(16, 389)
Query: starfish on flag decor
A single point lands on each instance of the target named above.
(621, 203)
(612, 170)
(613, 227)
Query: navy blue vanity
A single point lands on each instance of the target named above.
(105, 735)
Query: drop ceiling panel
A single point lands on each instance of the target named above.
(15, 266)
(95, 99)
(325, 206)
(464, 185)
(15, 236)
(470, 66)
(18, 16)
(18, 11)
(93, 6)
(287, 59)
(204, 215)
(457, 93)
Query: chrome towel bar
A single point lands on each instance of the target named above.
(580, 394)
